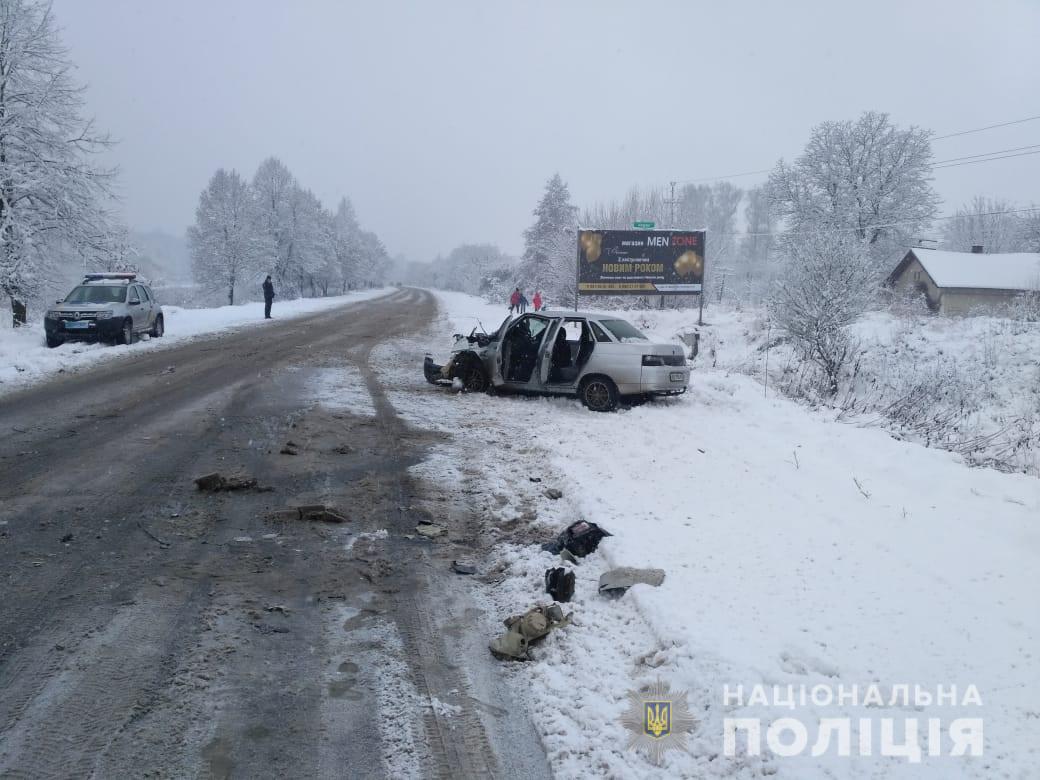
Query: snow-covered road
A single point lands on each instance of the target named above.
(798, 551)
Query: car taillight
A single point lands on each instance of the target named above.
(664, 360)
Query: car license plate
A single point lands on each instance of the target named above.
(677, 376)
(77, 325)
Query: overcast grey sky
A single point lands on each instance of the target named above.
(442, 120)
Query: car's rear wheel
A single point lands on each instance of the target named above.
(599, 394)
(158, 329)
(126, 335)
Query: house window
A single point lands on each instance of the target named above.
(917, 276)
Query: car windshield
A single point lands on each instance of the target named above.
(97, 293)
(623, 331)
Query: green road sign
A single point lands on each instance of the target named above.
(644, 225)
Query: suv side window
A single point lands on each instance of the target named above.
(132, 296)
(145, 294)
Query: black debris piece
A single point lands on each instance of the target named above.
(579, 539)
(559, 583)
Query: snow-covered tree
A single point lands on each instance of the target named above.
(826, 284)
(346, 244)
(307, 242)
(53, 198)
(987, 222)
(273, 187)
(1029, 232)
(864, 177)
(550, 245)
(226, 247)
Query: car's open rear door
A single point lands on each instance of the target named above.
(546, 350)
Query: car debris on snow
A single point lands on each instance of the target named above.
(579, 539)
(559, 583)
(522, 630)
(616, 582)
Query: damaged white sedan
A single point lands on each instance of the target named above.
(599, 358)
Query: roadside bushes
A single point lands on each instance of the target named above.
(826, 285)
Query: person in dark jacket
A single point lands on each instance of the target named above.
(268, 297)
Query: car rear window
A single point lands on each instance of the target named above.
(623, 331)
(97, 293)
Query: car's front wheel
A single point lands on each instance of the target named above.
(158, 329)
(126, 335)
(54, 341)
(599, 394)
(471, 372)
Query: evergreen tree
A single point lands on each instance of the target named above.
(549, 262)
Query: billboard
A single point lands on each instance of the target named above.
(640, 262)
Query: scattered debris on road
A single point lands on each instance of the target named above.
(312, 512)
(535, 479)
(216, 482)
(522, 630)
(463, 567)
(161, 542)
(554, 493)
(579, 539)
(430, 530)
(616, 582)
(559, 583)
(343, 449)
(67, 538)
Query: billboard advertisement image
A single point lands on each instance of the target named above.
(640, 262)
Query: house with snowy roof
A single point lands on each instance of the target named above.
(967, 282)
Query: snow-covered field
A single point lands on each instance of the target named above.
(967, 384)
(25, 357)
(798, 550)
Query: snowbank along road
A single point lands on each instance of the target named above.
(150, 629)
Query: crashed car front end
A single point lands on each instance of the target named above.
(466, 364)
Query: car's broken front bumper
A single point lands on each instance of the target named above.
(433, 372)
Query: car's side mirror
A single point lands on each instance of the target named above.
(59, 301)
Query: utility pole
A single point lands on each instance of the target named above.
(671, 213)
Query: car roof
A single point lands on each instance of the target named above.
(587, 315)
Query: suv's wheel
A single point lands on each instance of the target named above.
(126, 336)
(158, 328)
(471, 372)
(54, 341)
(599, 394)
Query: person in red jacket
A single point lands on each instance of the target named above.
(537, 300)
(514, 301)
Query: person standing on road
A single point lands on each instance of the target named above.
(268, 297)
(514, 301)
(523, 303)
(537, 300)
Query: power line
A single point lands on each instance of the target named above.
(988, 159)
(934, 138)
(987, 127)
(877, 227)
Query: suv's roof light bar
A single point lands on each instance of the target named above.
(129, 277)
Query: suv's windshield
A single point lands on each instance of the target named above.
(623, 331)
(97, 293)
